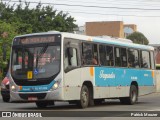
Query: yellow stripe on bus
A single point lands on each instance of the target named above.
(92, 71)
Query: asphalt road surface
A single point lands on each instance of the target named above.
(149, 102)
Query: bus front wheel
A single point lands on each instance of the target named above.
(41, 104)
(84, 97)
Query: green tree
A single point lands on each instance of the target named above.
(22, 19)
(38, 19)
(7, 33)
(138, 37)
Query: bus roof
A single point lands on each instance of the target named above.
(112, 41)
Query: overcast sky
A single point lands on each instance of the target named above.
(144, 13)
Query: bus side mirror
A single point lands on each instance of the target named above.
(70, 52)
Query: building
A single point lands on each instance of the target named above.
(129, 29)
(113, 28)
(80, 30)
(157, 52)
(109, 28)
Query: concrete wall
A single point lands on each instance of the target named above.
(158, 80)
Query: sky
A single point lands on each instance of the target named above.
(144, 13)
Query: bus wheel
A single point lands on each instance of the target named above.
(133, 97)
(84, 97)
(41, 104)
(6, 99)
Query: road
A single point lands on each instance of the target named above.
(145, 103)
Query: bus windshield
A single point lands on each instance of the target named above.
(35, 61)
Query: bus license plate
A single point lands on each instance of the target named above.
(32, 98)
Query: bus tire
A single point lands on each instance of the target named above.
(6, 99)
(41, 104)
(133, 96)
(84, 97)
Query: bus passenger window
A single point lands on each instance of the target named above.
(66, 60)
(89, 54)
(109, 56)
(145, 60)
(133, 58)
(70, 61)
(95, 55)
(102, 53)
(124, 57)
(152, 60)
(106, 55)
(74, 61)
(136, 60)
(117, 57)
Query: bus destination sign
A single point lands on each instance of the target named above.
(34, 40)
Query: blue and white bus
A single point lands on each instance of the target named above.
(57, 66)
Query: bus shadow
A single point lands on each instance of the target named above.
(75, 107)
(55, 108)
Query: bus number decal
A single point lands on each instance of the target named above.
(29, 75)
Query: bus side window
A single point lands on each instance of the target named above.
(136, 60)
(102, 54)
(133, 58)
(70, 58)
(95, 55)
(117, 57)
(145, 60)
(124, 57)
(109, 56)
(152, 60)
(66, 62)
(89, 54)
(73, 59)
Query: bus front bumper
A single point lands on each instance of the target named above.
(36, 96)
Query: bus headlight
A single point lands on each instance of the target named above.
(55, 86)
(13, 88)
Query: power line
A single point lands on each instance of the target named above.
(92, 6)
(131, 0)
(119, 1)
(121, 11)
(107, 14)
(93, 13)
(111, 3)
